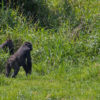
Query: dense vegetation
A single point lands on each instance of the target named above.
(66, 48)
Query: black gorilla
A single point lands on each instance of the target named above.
(8, 44)
(21, 58)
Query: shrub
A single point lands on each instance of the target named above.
(3, 60)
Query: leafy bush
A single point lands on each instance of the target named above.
(3, 60)
(65, 34)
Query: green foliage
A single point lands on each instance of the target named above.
(3, 60)
(66, 43)
(9, 19)
(53, 48)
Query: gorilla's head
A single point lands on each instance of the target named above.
(8, 44)
(29, 45)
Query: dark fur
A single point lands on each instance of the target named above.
(8, 44)
(21, 58)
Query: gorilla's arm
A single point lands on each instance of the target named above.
(29, 63)
(3, 45)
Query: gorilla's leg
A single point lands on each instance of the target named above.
(25, 68)
(8, 69)
(16, 70)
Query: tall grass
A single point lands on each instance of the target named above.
(65, 33)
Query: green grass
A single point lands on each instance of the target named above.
(77, 83)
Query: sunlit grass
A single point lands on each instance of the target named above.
(78, 83)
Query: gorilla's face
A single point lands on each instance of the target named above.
(29, 45)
